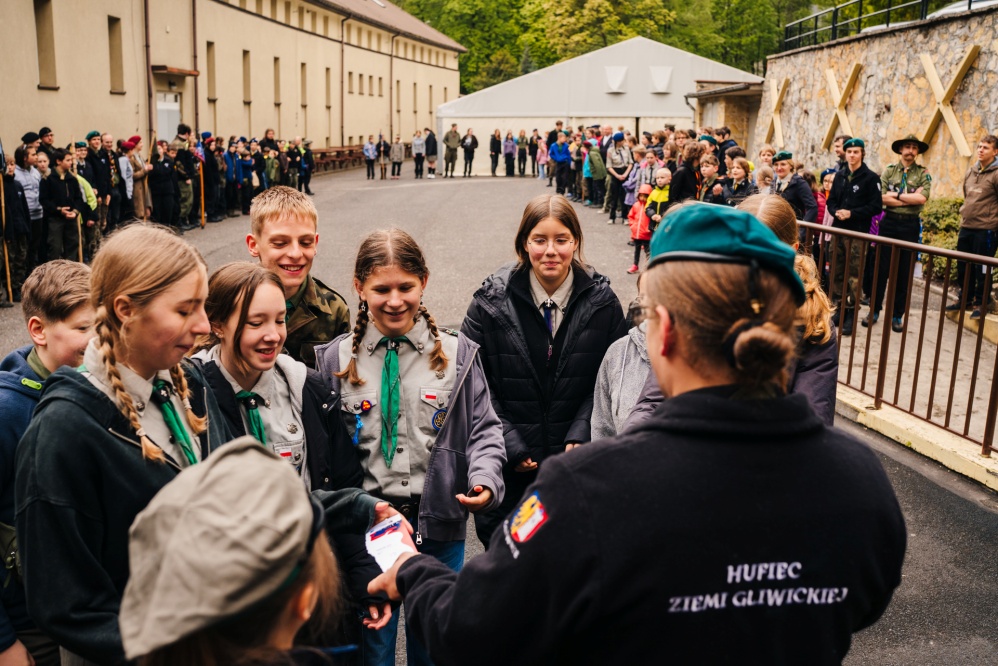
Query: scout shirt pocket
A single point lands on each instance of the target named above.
(433, 405)
(362, 416)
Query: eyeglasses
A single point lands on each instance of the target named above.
(542, 243)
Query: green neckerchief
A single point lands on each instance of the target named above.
(390, 398)
(161, 396)
(291, 303)
(251, 402)
(36, 365)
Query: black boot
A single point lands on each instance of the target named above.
(847, 321)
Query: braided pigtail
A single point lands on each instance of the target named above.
(359, 329)
(438, 359)
(816, 313)
(149, 450)
(197, 423)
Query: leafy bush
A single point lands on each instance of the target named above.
(940, 227)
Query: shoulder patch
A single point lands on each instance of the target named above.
(448, 331)
(528, 519)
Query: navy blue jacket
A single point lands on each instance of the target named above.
(20, 390)
(860, 196)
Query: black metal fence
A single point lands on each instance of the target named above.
(856, 16)
(934, 368)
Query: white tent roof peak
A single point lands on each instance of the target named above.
(635, 78)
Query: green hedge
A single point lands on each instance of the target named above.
(940, 227)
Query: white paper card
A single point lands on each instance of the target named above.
(387, 540)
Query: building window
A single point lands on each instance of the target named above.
(350, 82)
(304, 84)
(369, 39)
(349, 32)
(277, 80)
(360, 84)
(114, 51)
(445, 94)
(210, 52)
(247, 79)
(398, 95)
(431, 101)
(325, 26)
(45, 40)
(405, 50)
(329, 88)
(273, 9)
(422, 58)
(287, 13)
(370, 86)
(259, 7)
(414, 98)
(301, 17)
(315, 19)
(381, 88)
(379, 41)
(350, 140)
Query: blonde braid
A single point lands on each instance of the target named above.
(125, 403)
(438, 359)
(359, 329)
(198, 423)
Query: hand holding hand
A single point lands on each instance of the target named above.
(717, 190)
(384, 511)
(476, 502)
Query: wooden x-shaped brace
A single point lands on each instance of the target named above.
(776, 100)
(840, 118)
(943, 98)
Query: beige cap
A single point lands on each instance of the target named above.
(222, 536)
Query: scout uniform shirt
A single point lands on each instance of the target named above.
(279, 407)
(316, 315)
(423, 404)
(141, 390)
(895, 177)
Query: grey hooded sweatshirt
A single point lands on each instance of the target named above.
(619, 382)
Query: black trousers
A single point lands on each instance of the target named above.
(370, 168)
(396, 169)
(533, 164)
(469, 157)
(617, 194)
(561, 174)
(231, 195)
(418, 161)
(163, 208)
(974, 241)
(305, 179)
(509, 165)
(905, 229)
(495, 162)
(521, 162)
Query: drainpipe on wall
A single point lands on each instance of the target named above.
(343, 41)
(194, 45)
(391, 91)
(149, 89)
(686, 98)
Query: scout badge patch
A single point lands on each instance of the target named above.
(528, 519)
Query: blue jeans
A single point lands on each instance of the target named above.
(378, 647)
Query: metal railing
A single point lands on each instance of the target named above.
(894, 368)
(855, 16)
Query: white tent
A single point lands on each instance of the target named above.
(639, 84)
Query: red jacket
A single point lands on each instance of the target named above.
(639, 221)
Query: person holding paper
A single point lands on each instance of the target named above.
(732, 525)
(416, 403)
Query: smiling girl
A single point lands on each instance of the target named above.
(110, 434)
(544, 324)
(416, 402)
(279, 401)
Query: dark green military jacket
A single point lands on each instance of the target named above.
(319, 316)
(894, 176)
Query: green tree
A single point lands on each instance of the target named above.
(501, 66)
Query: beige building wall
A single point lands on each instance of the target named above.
(261, 63)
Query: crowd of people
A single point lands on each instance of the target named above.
(62, 201)
(178, 442)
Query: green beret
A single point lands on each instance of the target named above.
(782, 155)
(708, 138)
(702, 232)
(81, 144)
(92, 134)
(854, 143)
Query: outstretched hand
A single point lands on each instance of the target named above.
(378, 616)
(476, 502)
(384, 511)
(526, 465)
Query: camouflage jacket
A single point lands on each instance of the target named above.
(320, 316)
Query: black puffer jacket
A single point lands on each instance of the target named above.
(542, 408)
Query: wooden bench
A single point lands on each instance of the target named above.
(341, 157)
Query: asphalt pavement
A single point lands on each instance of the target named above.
(943, 613)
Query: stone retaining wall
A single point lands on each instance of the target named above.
(892, 96)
